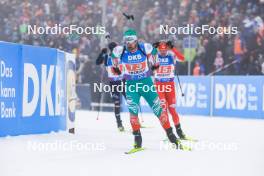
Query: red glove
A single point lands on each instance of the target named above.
(179, 55)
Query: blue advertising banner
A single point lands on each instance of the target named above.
(33, 90)
(197, 95)
(9, 88)
(196, 98)
(239, 96)
(227, 96)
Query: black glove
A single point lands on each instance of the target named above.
(101, 57)
(117, 70)
(154, 67)
(112, 45)
(104, 51)
(170, 44)
(156, 44)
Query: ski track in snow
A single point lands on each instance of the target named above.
(98, 149)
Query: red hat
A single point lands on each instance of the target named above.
(162, 46)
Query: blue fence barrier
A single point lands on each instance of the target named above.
(32, 89)
(227, 96)
(239, 96)
(197, 95)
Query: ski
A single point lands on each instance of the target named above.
(135, 150)
(185, 139)
(189, 139)
(181, 146)
(184, 147)
(143, 126)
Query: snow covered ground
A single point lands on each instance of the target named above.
(227, 146)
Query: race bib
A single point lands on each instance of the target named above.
(165, 71)
(136, 68)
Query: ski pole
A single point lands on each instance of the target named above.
(108, 38)
(177, 75)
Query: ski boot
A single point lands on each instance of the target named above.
(120, 127)
(137, 144)
(138, 139)
(180, 132)
(174, 140)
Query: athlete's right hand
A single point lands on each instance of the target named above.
(156, 44)
(117, 70)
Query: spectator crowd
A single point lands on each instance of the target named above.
(212, 53)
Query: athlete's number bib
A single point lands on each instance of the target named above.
(136, 68)
(165, 71)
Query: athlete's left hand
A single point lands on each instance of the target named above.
(155, 67)
(156, 44)
(170, 44)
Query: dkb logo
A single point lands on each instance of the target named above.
(231, 96)
(42, 89)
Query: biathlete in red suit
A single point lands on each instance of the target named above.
(164, 80)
